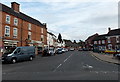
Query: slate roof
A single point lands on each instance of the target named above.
(20, 15)
(114, 32)
(100, 37)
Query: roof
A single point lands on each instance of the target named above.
(51, 34)
(92, 37)
(20, 15)
(114, 32)
(100, 37)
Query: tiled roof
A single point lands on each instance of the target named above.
(114, 32)
(20, 15)
(92, 37)
(100, 37)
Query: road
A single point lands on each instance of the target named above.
(72, 65)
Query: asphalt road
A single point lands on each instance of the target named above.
(72, 65)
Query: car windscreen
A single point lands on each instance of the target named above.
(9, 50)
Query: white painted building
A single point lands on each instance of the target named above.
(51, 40)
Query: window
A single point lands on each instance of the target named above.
(109, 40)
(103, 41)
(7, 31)
(117, 39)
(95, 42)
(15, 21)
(29, 35)
(29, 26)
(42, 38)
(15, 33)
(41, 30)
(8, 19)
(99, 42)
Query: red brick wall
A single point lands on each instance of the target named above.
(36, 30)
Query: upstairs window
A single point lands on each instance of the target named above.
(99, 42)
(7, 31)
(41, 30)
(7, 19)
(29, 26)
(15, 21)
(15, 33)
(117, 39)
(103, 41)
(95, 42)
(109, 41)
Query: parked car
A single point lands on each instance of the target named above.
(48, 52)
(80, 49)
(117, 55)
(59, 51)
(63, 50)
(72, 49)
(51, 52)
(66, 49)
(13, 55)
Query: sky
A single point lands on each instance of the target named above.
(74, 19)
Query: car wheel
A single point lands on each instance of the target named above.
(14, 60)
(31, 58)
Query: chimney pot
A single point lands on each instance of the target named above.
(109, 29)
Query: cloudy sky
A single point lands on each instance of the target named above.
(74, 19)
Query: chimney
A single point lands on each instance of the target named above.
(15, 6)
(109, 29)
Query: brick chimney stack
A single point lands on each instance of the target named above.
(15, 6)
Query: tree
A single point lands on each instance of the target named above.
(60, 38)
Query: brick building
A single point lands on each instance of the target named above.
(89, 42)
(109, 41)
(19, 29)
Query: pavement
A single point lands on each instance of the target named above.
(106, 57)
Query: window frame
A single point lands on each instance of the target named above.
(6, 29)
(15, 34)
(8, 17)
(15, 23)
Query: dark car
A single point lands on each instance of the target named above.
(12, 55)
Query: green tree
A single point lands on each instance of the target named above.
(60, 38)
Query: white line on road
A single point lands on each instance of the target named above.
(63, 62)
(57, 67)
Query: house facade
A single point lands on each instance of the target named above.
(89, 42)
(51, 40)
(18, 29)
(109, 41)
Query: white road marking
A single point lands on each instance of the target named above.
(63, 62)
(59, 65)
